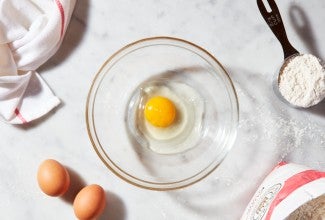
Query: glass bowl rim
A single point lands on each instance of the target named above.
(114, 168)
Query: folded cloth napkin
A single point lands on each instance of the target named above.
(31, 31)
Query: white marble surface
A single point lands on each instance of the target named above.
(235, 33)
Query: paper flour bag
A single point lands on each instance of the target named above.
(289, 192)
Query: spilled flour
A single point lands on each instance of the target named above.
(288, 133)
(269, 131)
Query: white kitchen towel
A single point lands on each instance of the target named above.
(31, 31)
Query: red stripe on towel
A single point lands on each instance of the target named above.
(60, 7)
(17, 112)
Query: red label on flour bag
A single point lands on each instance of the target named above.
(285, 189)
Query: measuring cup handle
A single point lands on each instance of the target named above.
(274, 21)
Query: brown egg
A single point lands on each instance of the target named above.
(89, 202)
(53, 178)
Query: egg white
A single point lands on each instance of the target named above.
(185, 131)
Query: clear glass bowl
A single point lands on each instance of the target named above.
(110, 120)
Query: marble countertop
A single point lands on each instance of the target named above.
(235, 33)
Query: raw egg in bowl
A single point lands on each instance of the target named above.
(162, 113)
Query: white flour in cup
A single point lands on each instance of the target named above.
(302, 81)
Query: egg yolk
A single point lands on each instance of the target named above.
(160, 111)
